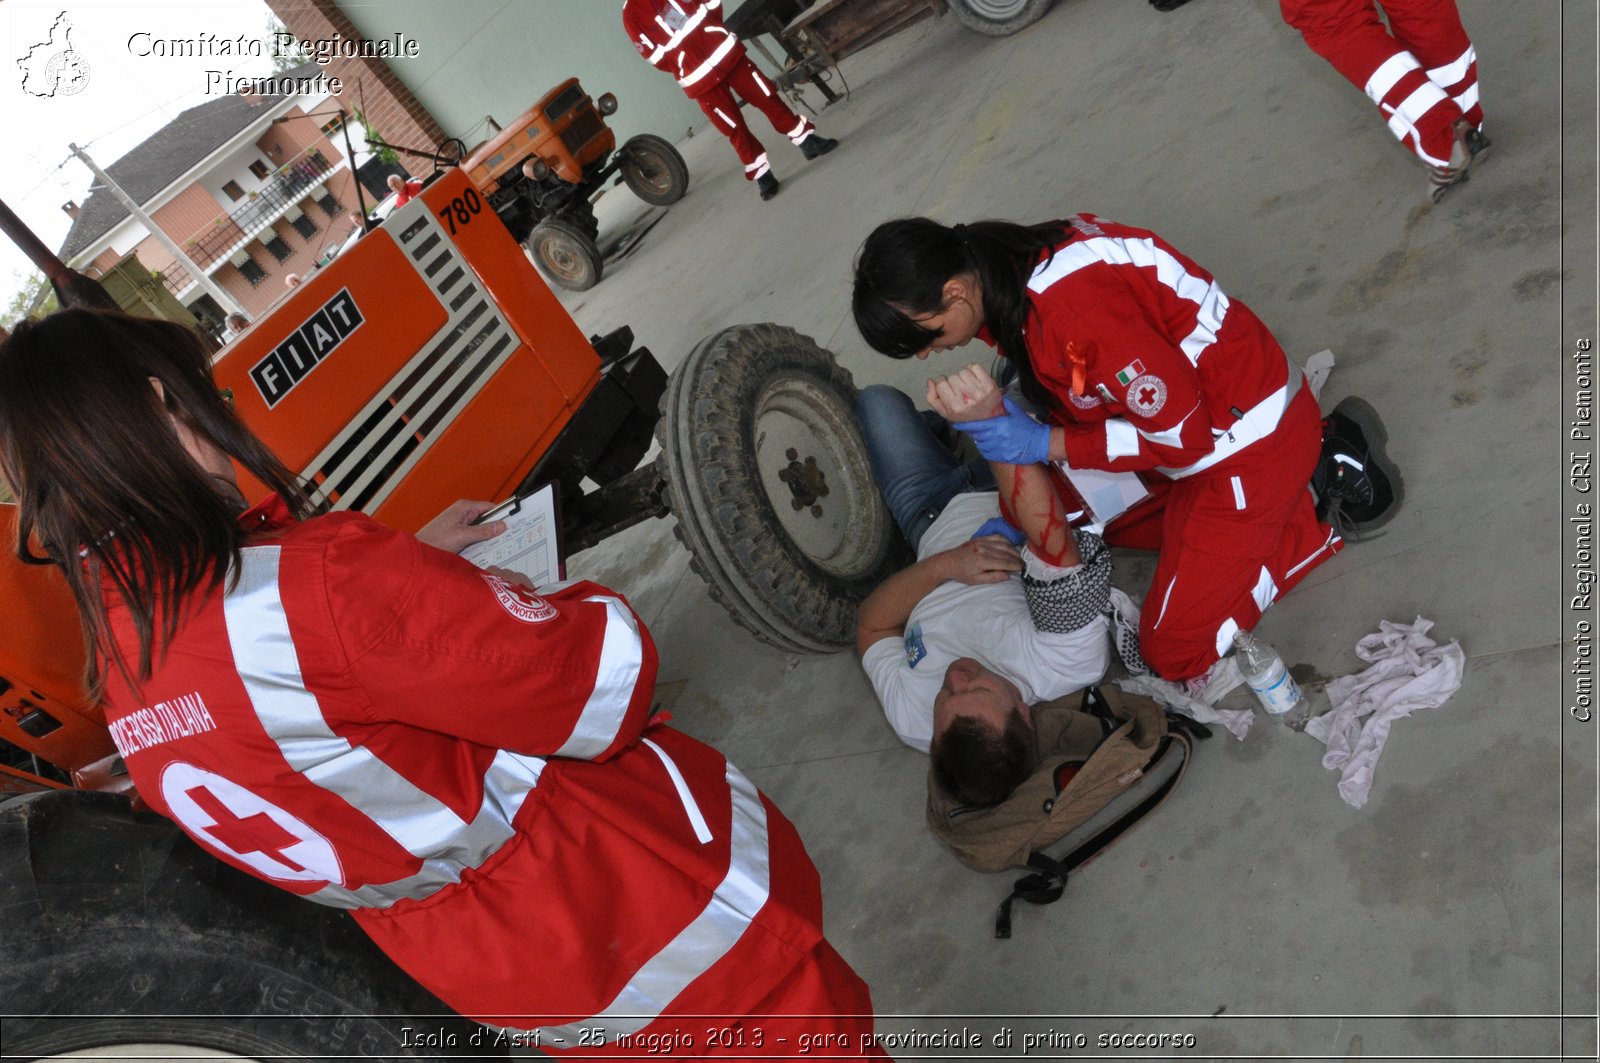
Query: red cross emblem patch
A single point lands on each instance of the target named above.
(247, 827)
(1146, 395)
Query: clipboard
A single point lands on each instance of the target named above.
(531, 544)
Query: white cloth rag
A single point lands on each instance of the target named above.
(1409, 671)
(1223, 677)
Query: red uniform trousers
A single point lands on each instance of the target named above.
(753, 87)
(779, 979)
(1424, 78)
(1232, 540)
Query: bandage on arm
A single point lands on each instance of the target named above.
(1064, 599)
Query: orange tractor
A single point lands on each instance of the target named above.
(428, 362)
(541, 172)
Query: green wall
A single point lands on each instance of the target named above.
(496, 57)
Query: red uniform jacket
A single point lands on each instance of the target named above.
(1150, 364)
(378, 725)
(686, 38)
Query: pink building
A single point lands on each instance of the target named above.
(253, 188)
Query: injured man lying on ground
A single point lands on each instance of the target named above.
(1002, 610)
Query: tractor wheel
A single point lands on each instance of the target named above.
(565, 254)
(767, 474)
(654, 170)
(998, 18)
(126, 940)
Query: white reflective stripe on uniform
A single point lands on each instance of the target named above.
(1467, 99)
(265, 656)
(1122, 439)
(1238, 495)
(1225, 635)
(724, 117)
(1452, 72)
(799, 132)
(1426, 97)
(708, 937)
(1211, 304)
(268, 665)
(509, 780)
(1389, 73)
(1265, 592)
(697, 819)
(1260, 421)
(1165, 598)
(1169, 437)
(1333, 537)
(1208, 322)
(1407, 133)
(710, 64)
(676, 37)
(616, 678)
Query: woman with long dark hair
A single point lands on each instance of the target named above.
(468, 765)
(1145, 365)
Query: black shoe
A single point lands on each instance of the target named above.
(768, 185)
(1358, 488)
(1468, 144)
(1167, 5)
(816, 146)
(1477, 144)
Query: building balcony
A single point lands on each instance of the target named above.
(285, 188)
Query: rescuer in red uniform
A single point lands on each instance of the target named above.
(1145, 365)
(468, 765)
(1421, 72)
(687, 39)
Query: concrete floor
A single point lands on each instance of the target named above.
(1256, 911)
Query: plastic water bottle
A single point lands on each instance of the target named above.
(1274, 687)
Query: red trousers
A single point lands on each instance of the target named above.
(753, 87)
(820, 1008)
(1232, 540)
(1423, 77)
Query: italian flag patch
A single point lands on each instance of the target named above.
(1131, 373)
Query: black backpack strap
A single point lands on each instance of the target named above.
(1094, 703)
(1042, 887)
(1176, 721)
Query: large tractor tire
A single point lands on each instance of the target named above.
(998, 18)
(122, 938)
(566, 254)
(654, 170)
(768, 477)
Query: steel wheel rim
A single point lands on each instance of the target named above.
(800, 431)
(653, 171)
(563, 256)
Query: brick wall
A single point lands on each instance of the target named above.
(304, 251)
(389, 109)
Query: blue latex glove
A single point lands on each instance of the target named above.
(1013, 438)
(1002, 527)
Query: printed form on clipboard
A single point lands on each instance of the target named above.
(1105, 495)
(531, 544)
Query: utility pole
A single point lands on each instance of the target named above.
(226, 301)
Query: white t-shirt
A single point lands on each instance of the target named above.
(988, 622)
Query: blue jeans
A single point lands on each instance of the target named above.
(917, 471)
